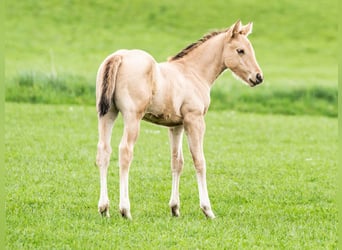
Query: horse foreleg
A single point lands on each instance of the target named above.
(105, 125)
(195, 127)
(130, 135)
(176, 135)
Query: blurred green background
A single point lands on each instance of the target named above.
(54, 48)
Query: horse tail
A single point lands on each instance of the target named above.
(106, 84)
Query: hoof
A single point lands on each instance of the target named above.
(208, 212)
(104, 210)
(175, 211)
(125, 213)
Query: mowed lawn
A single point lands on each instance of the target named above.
(271, 180)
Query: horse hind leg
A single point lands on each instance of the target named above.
(105, 126)
(130, 135)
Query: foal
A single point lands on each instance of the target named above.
(175, 94)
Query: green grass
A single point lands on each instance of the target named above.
(296, 100)
(48, 88)
(271, 179)
(290, 37)
(295, 44)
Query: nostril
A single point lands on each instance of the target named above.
(259, 78)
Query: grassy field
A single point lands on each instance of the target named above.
(271, 179)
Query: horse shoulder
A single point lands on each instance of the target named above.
(183, 91)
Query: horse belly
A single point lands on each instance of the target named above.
(168, 120)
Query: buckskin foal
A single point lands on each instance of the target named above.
(175, 94)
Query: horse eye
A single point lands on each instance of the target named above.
(240, 51)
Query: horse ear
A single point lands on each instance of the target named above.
(237, 27)
(234, 29)
(247, 29)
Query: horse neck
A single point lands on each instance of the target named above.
(206, 61)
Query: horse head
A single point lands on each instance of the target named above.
(239, 56)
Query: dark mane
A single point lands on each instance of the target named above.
(194, 45)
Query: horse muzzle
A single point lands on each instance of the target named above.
(258, 79)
